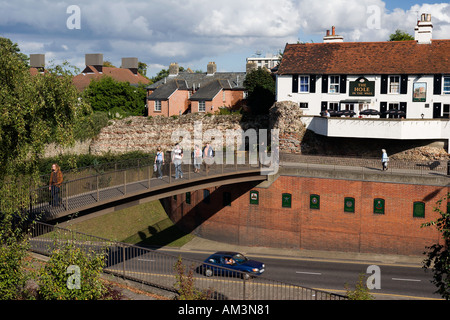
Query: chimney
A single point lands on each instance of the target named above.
(131, 64)
(333, 37)
(424, 29)
(37, 61)
(211, 69)
(250, 66)
(174, 69)
(95, 60)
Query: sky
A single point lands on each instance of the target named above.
(195, 32)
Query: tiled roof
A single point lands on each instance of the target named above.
(209, 91)
(83, 80)
(236, 79)
(357, 58)
(164, 92)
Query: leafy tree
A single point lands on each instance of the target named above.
(361, 292)
(260, 86)
(438, 255)
(185, 283)
(400, 35)
(109, 95)
(34, 110)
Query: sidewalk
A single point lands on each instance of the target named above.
(209, 246)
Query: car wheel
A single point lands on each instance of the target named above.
(208, 272)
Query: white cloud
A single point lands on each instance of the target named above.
(192, 31)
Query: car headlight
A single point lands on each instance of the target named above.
(255, 270)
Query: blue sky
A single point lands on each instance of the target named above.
(194, 32)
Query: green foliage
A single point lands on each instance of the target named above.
(400, 35)
(361, 292)
(438, 256)
(185, 283)
(34, 110)
(260, 86)
(109, 95)
(54, 278)
(89, 126)
(13, 277)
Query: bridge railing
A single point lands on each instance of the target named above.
(157, 269)
(114, 184)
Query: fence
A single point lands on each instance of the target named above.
(114, 181)
(158, 269)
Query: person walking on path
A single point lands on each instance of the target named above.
(56, 180)
(177, 155)
(384, 159)
(197, 158)
(159, 161)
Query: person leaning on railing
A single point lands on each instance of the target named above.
(56, 179)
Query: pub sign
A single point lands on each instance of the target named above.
(362, 88)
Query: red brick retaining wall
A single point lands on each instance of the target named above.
(269, 224)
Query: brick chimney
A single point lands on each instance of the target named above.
(174, 69)
(333, 37)
(95, 60)
(211, 69)
(131, 64)
(37, 61)
(423, 33)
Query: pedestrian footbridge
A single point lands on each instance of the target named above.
(109, 190)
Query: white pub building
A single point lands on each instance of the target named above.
(384, 90)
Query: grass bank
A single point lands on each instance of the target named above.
(146, 224)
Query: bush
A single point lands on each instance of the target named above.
(57, 281)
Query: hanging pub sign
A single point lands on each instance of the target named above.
(419, 92)
(362, 88)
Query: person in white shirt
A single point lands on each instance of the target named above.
(177, 156)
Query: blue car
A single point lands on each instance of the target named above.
(231, 264)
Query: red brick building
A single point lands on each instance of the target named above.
(185, 92)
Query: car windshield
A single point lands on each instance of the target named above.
(239, 258)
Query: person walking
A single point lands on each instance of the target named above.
(208, 156)
(159, 161)
(384, 159)
(177, 156)
(56, 180)
(197, 158)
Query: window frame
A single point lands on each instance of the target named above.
(336, 84)
(201, 105)
(303, 83)
(158, 106)
(444, 86)
(390, 84)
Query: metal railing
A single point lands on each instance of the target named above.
(157, 269)
(370, 165)
(115, 183)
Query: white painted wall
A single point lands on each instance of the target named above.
(414, 109)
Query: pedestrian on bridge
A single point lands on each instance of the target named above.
(208, 154)
(159, 161)
(384, 159)
(56, 180)
(197, 158)
(177, 156)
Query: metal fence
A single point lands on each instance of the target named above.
(157, 269)
(115, 181)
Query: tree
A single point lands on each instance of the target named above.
(109, 95)
(438, 255)
(260, 86)
(34, 110)
(400, 35)
(361, 292)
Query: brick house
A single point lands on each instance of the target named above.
(185, 92)
(94, 69)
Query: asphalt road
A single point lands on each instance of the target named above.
(397, 281)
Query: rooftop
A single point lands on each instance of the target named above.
(357, 58)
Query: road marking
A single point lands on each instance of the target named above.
(313, 273)
(147, 260)
(412, 280)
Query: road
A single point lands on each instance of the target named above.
(398, 282)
